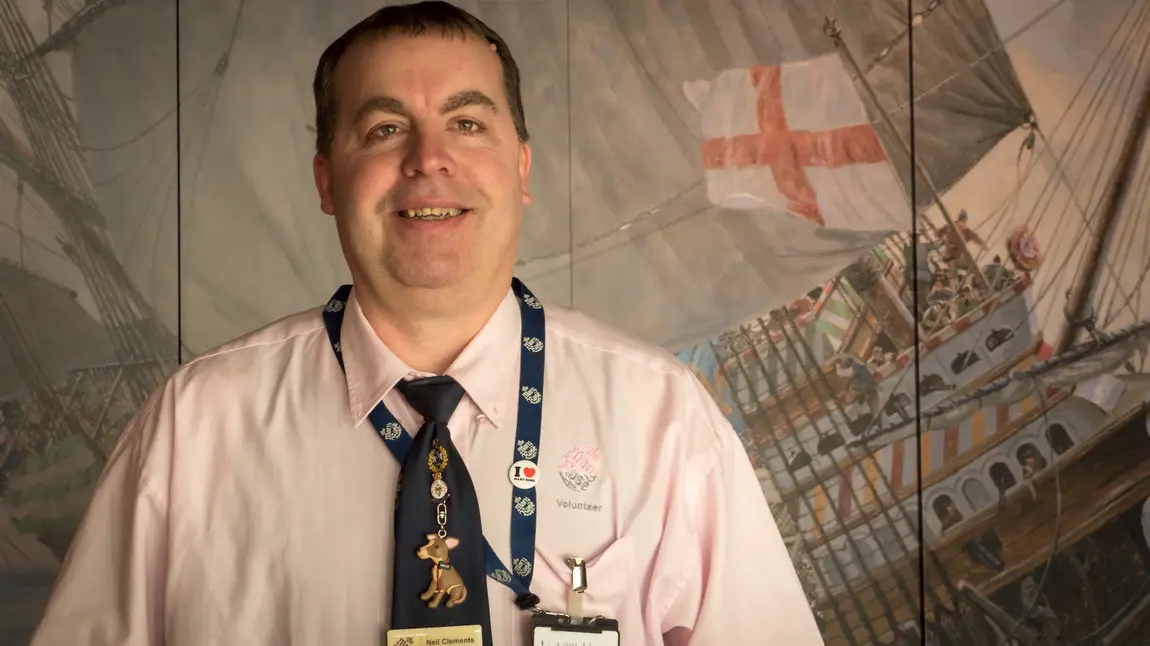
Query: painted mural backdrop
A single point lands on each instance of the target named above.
(735, 180)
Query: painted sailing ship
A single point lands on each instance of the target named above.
(910, 418)
(841, 462)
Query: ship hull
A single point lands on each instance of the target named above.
(1093, 484)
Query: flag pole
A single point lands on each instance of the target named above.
(831, 29)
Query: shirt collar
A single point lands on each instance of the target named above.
(485, 368)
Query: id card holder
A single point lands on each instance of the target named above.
(572, 628)
(553, 629)
(454, 635)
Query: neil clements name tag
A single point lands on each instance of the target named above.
(442, 636)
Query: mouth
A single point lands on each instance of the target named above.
(432, 213)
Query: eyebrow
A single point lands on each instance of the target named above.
(457, 101)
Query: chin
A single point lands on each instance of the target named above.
(430, 282)
(430, 276)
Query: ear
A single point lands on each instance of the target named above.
(451, 542)
(321, 169)
(525, 172)
(697, 93)
(432, 537)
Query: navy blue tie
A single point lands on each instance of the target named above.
(440, 579)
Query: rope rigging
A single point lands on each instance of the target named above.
(1104, 106)
(1112, 111)
(1134, 80)
(849, 540)
(58, 173)
(1073, 137)
(25, 205)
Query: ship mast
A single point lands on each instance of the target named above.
(832, 30)
(1087, 280)
(54, 168)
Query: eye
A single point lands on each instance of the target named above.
(469, 126)
(383, 131)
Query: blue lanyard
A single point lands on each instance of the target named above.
(527, 433)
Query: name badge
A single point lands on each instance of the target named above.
(560, 630)
(441, 636)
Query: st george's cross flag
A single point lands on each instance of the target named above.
(796, 138)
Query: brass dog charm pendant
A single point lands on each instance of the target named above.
(445, 580)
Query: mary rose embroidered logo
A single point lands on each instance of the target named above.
(580, 467)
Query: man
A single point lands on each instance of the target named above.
(861, 390)
(956, 237)
(919, 270)
(257, 498)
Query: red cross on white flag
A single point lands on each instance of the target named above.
(796, 138)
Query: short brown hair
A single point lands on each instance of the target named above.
(422, 18)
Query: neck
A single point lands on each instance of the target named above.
(424, 335)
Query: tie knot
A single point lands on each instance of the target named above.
(435, 398)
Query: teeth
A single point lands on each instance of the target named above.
(430, 213)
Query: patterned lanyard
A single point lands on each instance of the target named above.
(524, 470)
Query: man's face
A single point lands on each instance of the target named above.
(426, 177)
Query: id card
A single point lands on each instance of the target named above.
(441, 636)
(559, 630)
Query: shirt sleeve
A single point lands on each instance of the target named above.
(110, 589)
(729, 580)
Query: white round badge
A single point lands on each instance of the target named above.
(524, 474)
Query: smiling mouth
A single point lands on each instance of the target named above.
(432, 213)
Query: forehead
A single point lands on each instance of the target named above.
(418, 70)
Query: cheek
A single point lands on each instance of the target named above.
(495, 174)
(369, 178)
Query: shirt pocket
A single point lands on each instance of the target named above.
(612, 589)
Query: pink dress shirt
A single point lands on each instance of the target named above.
(249, 503)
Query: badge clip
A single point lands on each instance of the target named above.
(573, 627)
(578, 587)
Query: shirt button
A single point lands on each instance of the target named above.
(480, 418)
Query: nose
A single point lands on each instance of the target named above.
(427, 154)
